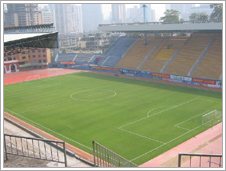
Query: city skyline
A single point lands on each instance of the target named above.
(87, 19)
(106, 9)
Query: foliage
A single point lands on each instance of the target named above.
(170, 16)
(216, 15)
(198, 17)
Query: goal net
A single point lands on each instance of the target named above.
(212, 118)
(33, 77)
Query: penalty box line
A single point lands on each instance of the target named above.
(121, 127)
(177, 125)
(48, 129)
(166, 143)
(188, 131)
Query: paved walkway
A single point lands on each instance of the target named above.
(208, 142)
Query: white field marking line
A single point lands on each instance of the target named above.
(173, 107)
(153, 109)
(156, 113)
(190, 119)
(168, 141)
(7, 90)
(165, 143)
(49, 129)
(139, 134)
(93, 95)
(149, 116)
(209, 100)
(44, 106)
(142, 136)
(138, 119)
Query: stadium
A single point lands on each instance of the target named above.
(149, 92)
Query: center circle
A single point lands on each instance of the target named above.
(93, 95)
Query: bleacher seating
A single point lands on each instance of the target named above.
(162, 54)
(188, 54)
(206, 70)
(214, 54)
(190, 51)
(65, 57)
(199, 55)
(211, 65)
(115, 52)
(83, 58)
(156, 64)
(135, 55)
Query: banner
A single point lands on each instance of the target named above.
(178, 77)
(157, 78)
(160, 75)
(72, 63)
(203, 81)
(106, 69)
(211, 85)
(130, 71)
(219, 83)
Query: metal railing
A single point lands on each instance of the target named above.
(104, 157)
(203, 160)
(42, 149)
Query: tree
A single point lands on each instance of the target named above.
(198, 17)
(171, 16)
(216, 14)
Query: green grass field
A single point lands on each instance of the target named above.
(136, 119)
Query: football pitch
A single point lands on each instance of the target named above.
(139, 120)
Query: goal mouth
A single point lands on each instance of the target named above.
(212, 118)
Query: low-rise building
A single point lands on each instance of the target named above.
(30, 58)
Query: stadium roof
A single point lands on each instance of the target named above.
(161, 27)
(30, 40)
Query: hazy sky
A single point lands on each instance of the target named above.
(159, 9)
(106, 9)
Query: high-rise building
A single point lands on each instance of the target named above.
(67, 18)
(91, 17)
(133, 14)
(118, 13)
(22, 15)
(63, 18)
(77, 19)
(47, 17)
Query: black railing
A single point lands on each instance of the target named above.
(42, 149)
(103, 157)
(217, 162)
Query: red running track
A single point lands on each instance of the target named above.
(21, 76)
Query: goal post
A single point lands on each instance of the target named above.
(33, 77)
(212, 117)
